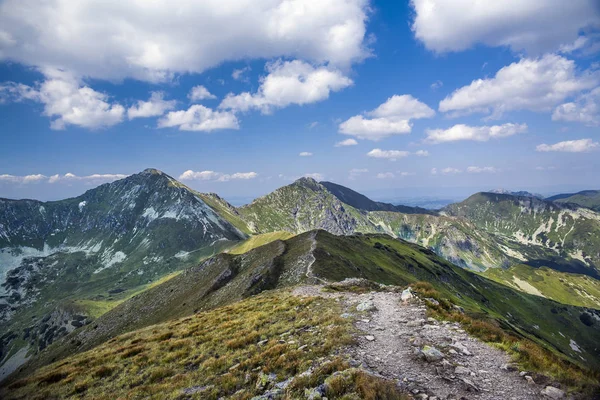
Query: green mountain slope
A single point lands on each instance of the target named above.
(585, 198)
(63, 261)
(319, 256)
(526, 223)
(578, 290)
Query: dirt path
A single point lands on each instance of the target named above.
(393, 334)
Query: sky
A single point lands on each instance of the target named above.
(396, 99)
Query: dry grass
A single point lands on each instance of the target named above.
(221, 353)
(529, 355)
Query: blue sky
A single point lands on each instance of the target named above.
(477, 100)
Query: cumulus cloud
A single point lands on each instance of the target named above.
(199, 92)
(530, 84)
(385, 175)
(289, 82)
(199, 118)
(190, 175)
(422, 153)
(305, 154)
(585, 109)
(570, 146)
(476, 133)
(390, 118)
(404, 173)
(479, 170)
(154, 107)
(347, 142)
(535, 26)
(154, 42)
(68, 101)
(391, 155)
(436, 85)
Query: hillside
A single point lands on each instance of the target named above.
(585, 198)
(525, 224)
(319, 256)
(577, 290)
(63, 261)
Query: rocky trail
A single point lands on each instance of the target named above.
(428, 358)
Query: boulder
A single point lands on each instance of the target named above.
(366, 306)
(406, 295)
(552, 393)
(431, 354)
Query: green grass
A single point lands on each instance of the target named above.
(566, 288)
(226, 351)
(259, 240)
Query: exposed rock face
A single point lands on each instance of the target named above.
(112, 238)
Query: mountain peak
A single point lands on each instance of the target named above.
(152, 171)
(308, 182)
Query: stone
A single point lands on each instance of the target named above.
(366, 306)
(431, 354)
(460, 370)
(529, 380)
(370, 338)
(508, 367)
(406, 295)
(552, 393)
(199, 389)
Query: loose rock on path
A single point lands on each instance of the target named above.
(428, 358)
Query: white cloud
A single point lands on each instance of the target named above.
(199, 118)
(313, 125)
(451, 171)
(305, 154)
(549, 168)
(391, 155)
(585, 109)
(390, 118)
(404, 173)
(422, 153)
(476, 133)
(535, 26)
(529, 84)
(347, 142)
(153, 42)
(289, 82)
(154, 107)
(385, 175)
(446, 171)
(436, 85)
(356, 172)
(570, 146)
(479, 170)
(88, 179)
(199, 92)
(65, 98)
(238, 74)
(317, 176)
(190, 175)
(35, 178)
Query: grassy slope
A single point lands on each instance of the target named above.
(228, 278)
(586, 198)
(259, 240)
(546, 322)
(574, 289)
(217, 351)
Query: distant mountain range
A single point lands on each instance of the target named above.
(585, 198)
(65, 263)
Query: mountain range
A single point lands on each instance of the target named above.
(77, 272)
